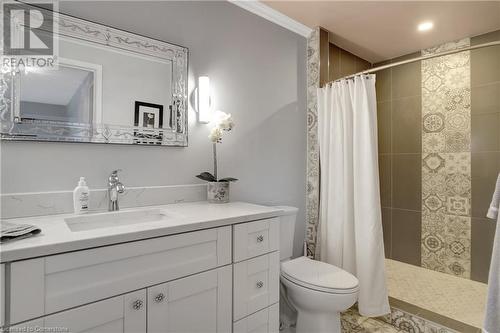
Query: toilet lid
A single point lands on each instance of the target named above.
(318, 275)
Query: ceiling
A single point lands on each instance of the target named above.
(380, 30)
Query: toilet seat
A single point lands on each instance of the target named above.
(319, 276)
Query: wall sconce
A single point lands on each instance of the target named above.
(204, 109)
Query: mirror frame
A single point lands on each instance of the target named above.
(72, 28)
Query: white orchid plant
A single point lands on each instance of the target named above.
(223, 123)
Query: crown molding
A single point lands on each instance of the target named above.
(266, 12)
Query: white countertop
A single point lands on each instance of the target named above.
(56, 237)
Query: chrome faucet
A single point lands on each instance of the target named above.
(114, 188)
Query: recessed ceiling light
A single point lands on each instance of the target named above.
(425, 26)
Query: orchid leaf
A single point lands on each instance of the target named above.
(228, 179)
(206, 176)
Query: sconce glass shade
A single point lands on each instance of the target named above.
(204, 112)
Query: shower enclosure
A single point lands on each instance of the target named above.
(439, 157)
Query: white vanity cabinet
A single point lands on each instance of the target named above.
(45, 285)
(256, 272)
(219, 280)
(198, 303)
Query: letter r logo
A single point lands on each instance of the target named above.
(27, 30)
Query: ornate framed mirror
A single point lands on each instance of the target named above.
(110, 86)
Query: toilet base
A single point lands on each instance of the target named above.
(308, 322)
(317, 311)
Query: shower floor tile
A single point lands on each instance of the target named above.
(459, 299)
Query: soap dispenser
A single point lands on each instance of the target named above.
(81, 197)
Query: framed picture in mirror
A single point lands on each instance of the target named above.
(148, 117)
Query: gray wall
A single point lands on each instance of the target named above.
(258, 73)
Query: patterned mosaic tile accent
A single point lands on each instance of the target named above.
(407, 322)
(411, 323)
(312, 191)
(348, 327)
(352, 322)
(446, 174)
(397, 322)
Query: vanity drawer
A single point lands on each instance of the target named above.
(253, 239)
(46, 285)
(125, 313)
(256, 284)
(264, 321)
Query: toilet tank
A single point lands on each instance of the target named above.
(287, 231)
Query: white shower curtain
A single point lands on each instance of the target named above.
(350, 228)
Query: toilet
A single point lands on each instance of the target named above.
(318, 291)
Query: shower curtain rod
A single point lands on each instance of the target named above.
(425, 57)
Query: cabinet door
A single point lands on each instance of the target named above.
(256, 284)
(121, 314)
(198, 303)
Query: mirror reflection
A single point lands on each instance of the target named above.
(110, 86)
(64, 95)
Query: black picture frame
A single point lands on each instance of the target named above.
(137, 114)
(146, 119)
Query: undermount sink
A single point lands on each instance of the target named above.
(116, 219)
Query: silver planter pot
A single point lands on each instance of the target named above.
(218, 192)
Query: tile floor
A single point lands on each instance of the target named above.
(352, 322)
(456, 299)
(397, 321)
(460, 299)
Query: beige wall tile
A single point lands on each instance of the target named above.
(406, 125)
(407, 181)
(484, 167)
(406, 80)
(406, 236)
(383, 85)
(387, 229)
(485, 134)
(385, 169)
(362, 65)
(486, 38)
(407, 57)
(486, 98)
(483, 234)
(485, 65)
(347, 63)
(334, 64)
(343, 63)
(384, 116)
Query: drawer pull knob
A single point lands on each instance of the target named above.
(159, 298)
(260, 284)
(260, 239)
(137, 305)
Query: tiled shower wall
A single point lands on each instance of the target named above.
(446, 160)
(462, 238)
